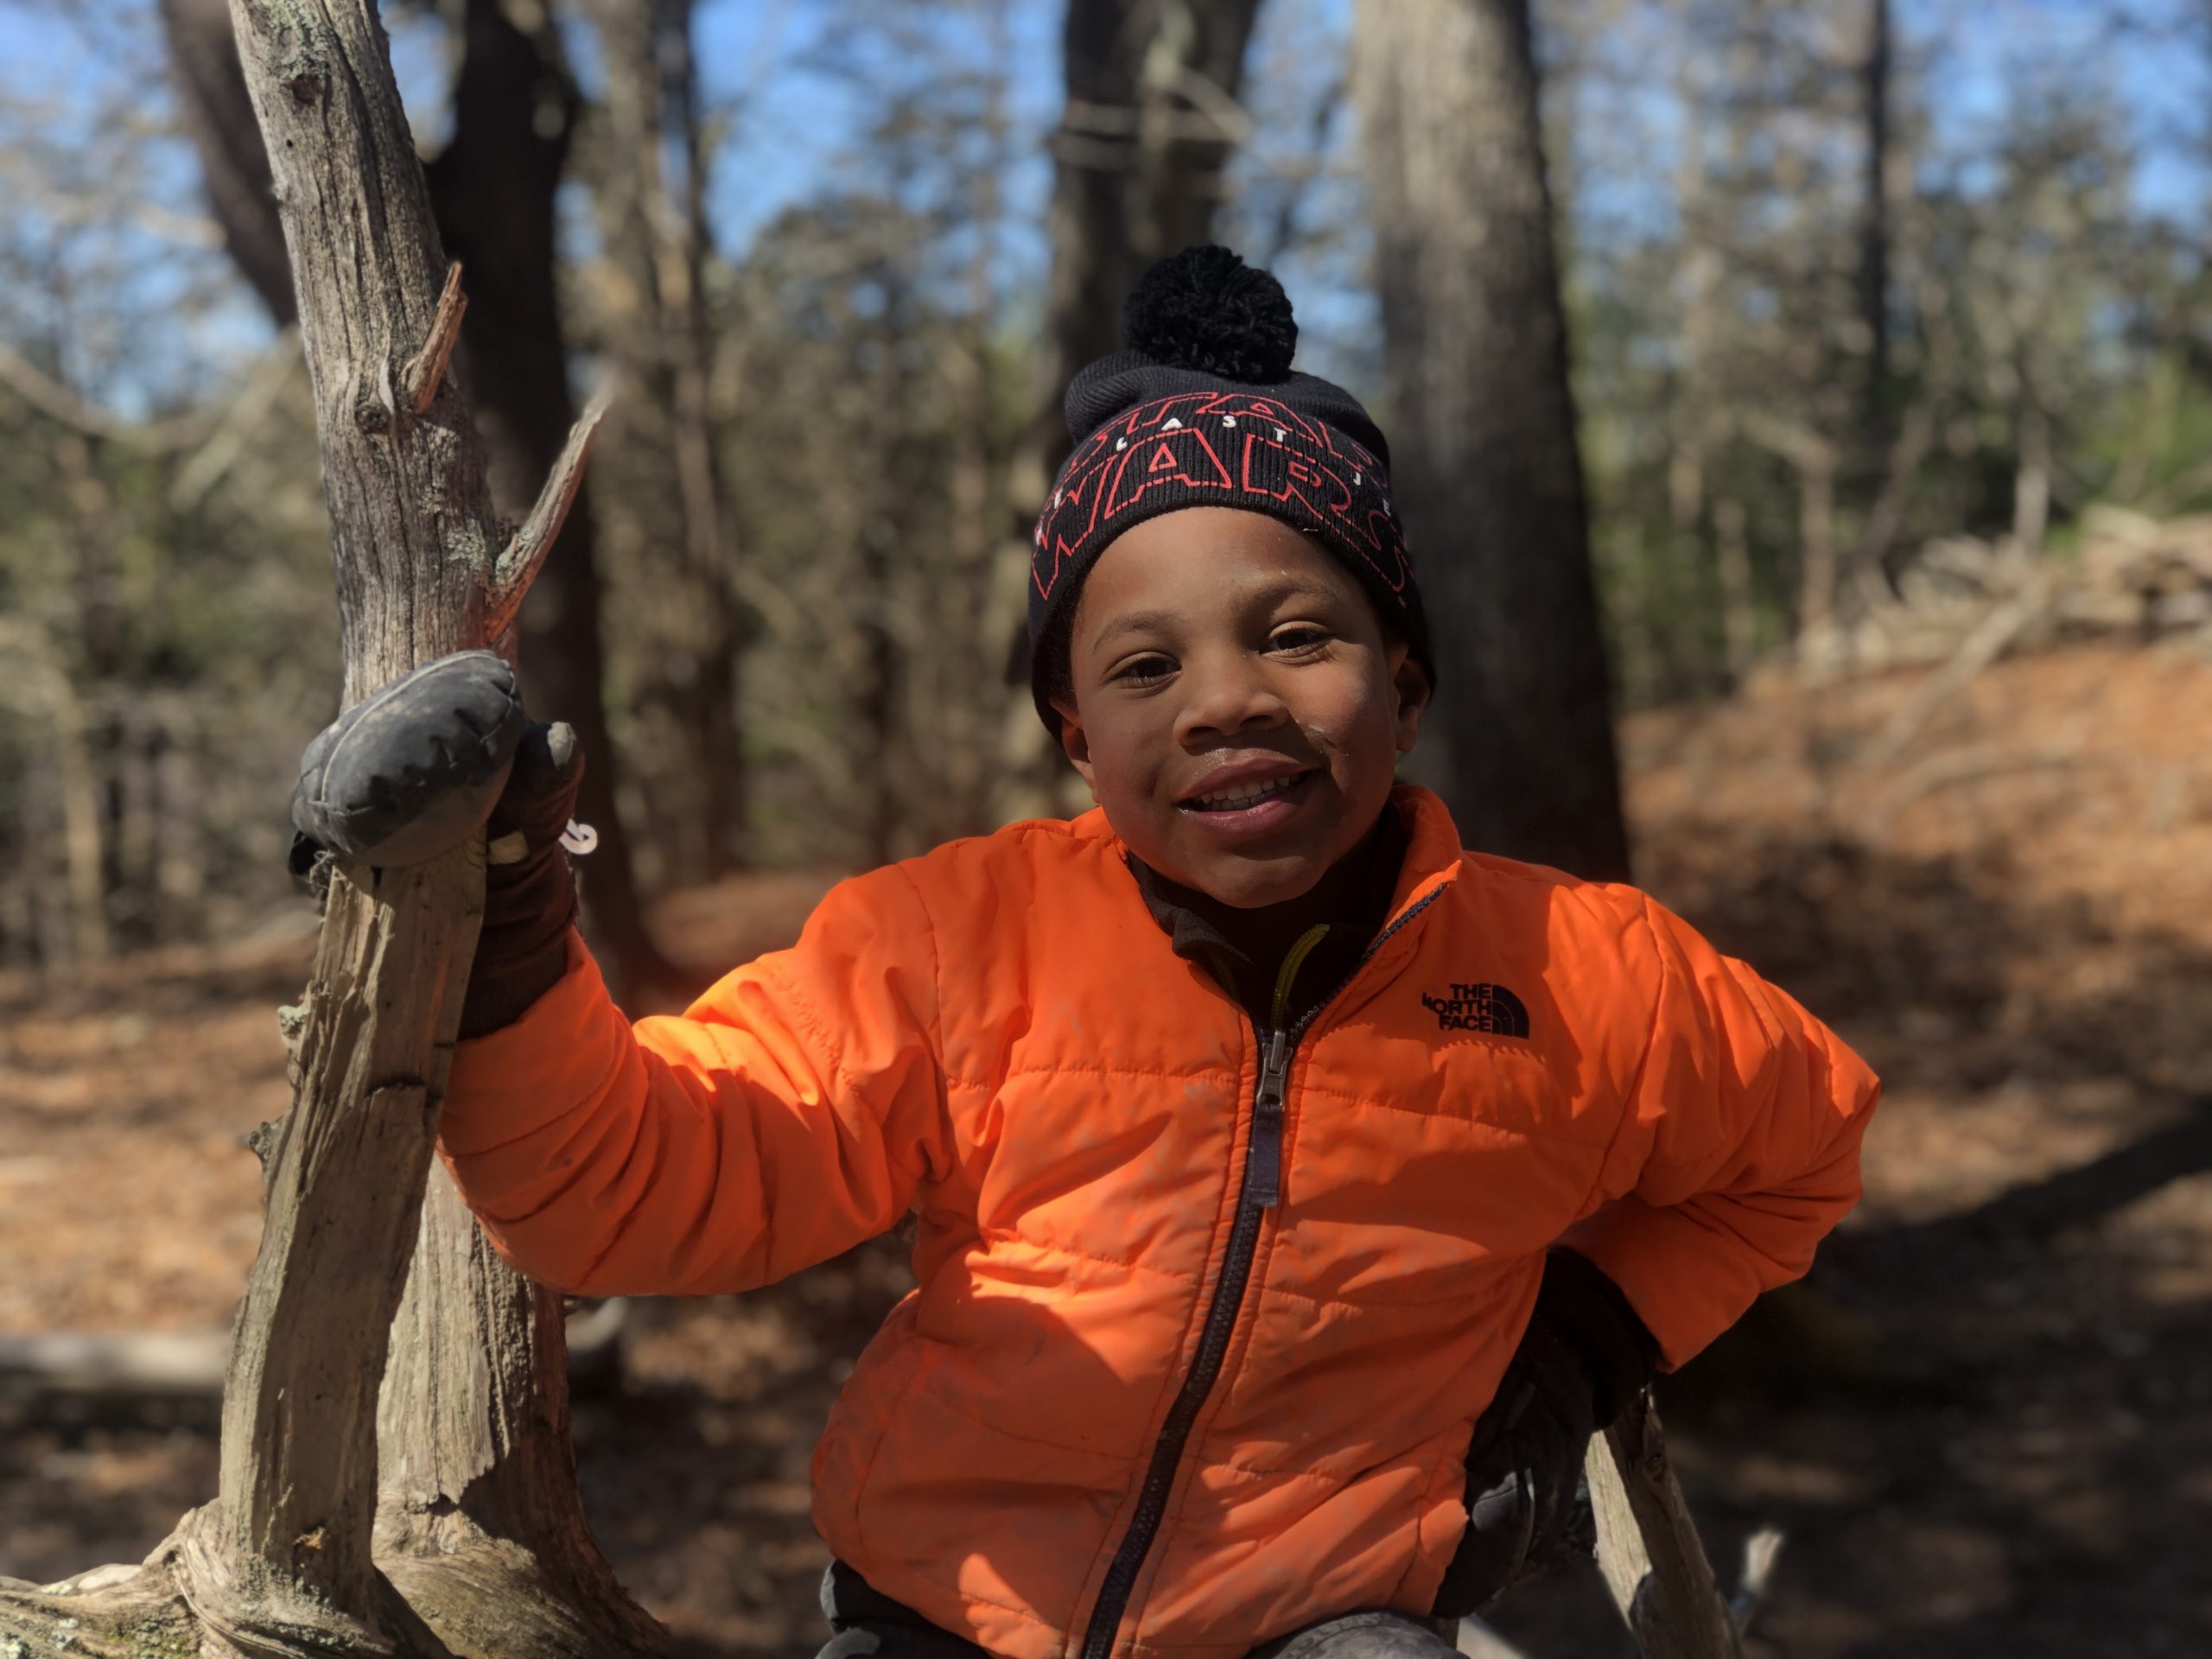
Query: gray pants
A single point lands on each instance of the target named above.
(870, 1625)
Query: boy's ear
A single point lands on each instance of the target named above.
(1410, 681)
(1075, 743)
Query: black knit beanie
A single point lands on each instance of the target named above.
(1204, 409)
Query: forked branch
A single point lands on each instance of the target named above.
(521, 559)
(308, 1552)
(426, 369)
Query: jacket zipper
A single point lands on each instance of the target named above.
(1262, 1190)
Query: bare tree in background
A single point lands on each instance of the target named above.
(1153, 116)
(652, 189)
(1873, 274)
(216, 115)
(1485, 457)
(493, 190)
(429, 1506)
(1151, 121)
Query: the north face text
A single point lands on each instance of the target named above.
(1490, 1008)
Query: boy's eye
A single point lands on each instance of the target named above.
(1143, 670)
(1299, 636)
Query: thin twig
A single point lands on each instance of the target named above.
(57, 403)
(518, 563)
(426, 371)
(205, 468)
(1762, 1550)
(2003, 624)
(1964, 765)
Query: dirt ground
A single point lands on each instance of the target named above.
(1985, 1423)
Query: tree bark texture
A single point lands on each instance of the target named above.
(1482, 427)
(1151, 121)
(657, 235)
(493, 189)
(485, 1550)
(492, 193)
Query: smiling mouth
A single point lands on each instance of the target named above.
(1237, 798)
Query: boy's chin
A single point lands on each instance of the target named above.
(1253, 883)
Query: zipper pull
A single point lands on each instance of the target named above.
(1266, 1187)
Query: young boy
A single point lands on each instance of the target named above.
(1296, 1188)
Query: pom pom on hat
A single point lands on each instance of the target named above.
(1204, 409)
(1204, 308)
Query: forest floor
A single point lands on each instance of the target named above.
(1984, 1424)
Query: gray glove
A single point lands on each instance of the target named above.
(414, 770)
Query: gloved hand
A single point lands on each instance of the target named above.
(1585, 1357)
(413, 771)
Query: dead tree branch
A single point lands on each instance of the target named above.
(1648, 1546)
(355, 1513)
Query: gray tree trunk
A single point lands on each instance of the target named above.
(1152, 119)
(494, 189)
(1482, 423)
(493, 193)
(656, 233)
(445, 1520)
(218, 117)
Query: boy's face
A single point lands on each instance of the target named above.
(1236, 711)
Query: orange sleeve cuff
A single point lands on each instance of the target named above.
(511, 1082)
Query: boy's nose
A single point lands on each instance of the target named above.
(1223, 698)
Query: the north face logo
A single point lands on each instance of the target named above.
(1489, 1008)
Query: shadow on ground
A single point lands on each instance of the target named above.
(1985, 1421)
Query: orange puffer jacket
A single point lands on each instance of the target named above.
(1204, 1318)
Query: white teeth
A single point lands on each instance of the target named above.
(1239, 794)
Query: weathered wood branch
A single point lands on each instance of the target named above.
(520, 561)
(426, 371)
(477, 1528)
(1648, 1546)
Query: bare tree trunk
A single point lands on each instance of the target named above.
(493, 187)
(39, 685)
(1817, 576)
(1151, 120)
(1883, 459)
(1486, 464)
(82, 742)
(283, 1562)
(657, 234)
(212, 98)
(496, 211)
(1732, 553)
(1873, 274)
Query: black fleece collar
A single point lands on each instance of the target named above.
(1244, 948)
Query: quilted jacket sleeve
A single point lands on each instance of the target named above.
(789, 1113)
(1738, 1150)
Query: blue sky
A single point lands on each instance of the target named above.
(794, 121)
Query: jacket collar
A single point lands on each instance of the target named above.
(1432, 850)
(1413, 851)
